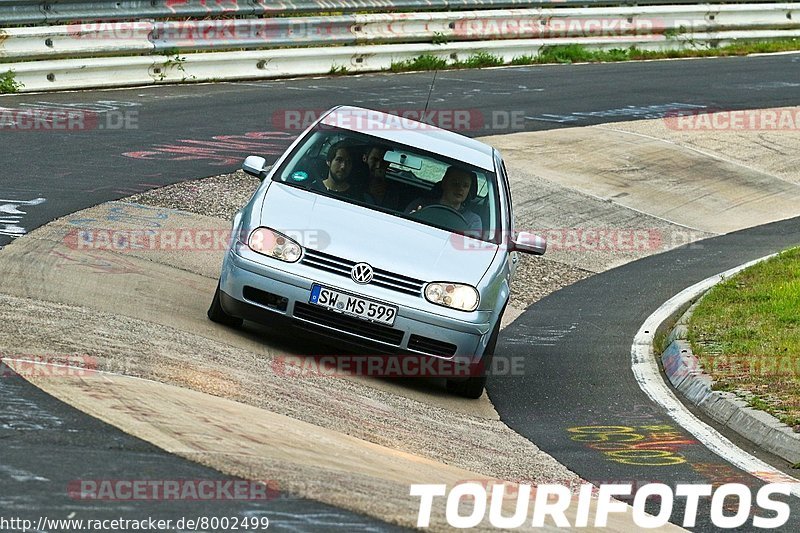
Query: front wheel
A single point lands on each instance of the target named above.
(473, 386)
(217, 314)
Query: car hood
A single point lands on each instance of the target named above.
(384, 241)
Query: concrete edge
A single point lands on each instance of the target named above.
(683, 369)
(651, 380)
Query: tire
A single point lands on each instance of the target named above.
(473, 386)
(217, 314)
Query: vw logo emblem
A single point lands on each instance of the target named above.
(361, 273)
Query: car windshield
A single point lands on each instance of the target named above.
(396, 179)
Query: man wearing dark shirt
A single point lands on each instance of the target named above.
(379, 190)
(338, 181)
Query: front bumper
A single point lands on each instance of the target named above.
(263, 290)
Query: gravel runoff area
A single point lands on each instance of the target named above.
(221, 196)
(139, 348)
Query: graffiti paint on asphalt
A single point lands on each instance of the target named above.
(101, 106)
(220, 150)
(20, 414)
(638, 112)
(11, 215)
(655, 445)
(111, 263)
(542, 336)
(132, 215)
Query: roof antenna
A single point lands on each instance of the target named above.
(430, 91)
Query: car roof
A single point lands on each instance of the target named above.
(412, 133)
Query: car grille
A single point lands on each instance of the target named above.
(381, 278)
(356, 326)
(430, 346)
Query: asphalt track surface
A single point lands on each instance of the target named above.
(577, 372)
(48, 446)
(577, 376)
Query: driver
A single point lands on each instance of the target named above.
(455, 188)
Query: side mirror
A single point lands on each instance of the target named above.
(254, 165)
(529, 243)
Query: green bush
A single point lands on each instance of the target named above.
(8, 84)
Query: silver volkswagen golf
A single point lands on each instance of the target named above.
(380, 233)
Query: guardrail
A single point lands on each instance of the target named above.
(59, 11)
(109, 54)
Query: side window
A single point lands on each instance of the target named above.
(308, 163)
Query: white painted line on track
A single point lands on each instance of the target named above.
(647, 374)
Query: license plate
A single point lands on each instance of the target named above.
(352, 305)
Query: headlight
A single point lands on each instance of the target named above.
(273, 244)
(455, 295)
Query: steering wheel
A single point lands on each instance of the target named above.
(442, 215)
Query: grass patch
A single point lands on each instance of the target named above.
(423, 62)
(439, 38)
(575, 53)
(568, 53)
(746, 332)
(8, 83)
(337, 70)
(432, 62)
(479, 60)
(524, 60)
(660, 343)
